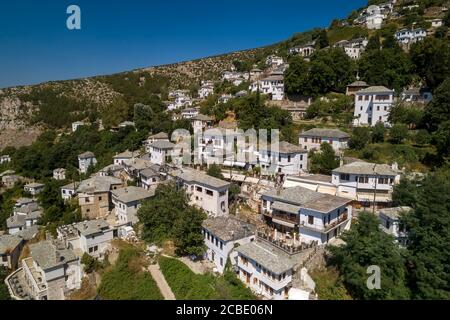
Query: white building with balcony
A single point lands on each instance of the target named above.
(34, 188)
(372, 105)
(160, 151)
(410, 36)
(69, 191)
(390, 223)
(206, 89)
(204, 191)
(305, 51)
(366, 182)
(222, 235)
(305, 215)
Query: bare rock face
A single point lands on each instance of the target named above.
(14, 114)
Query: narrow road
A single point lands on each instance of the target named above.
(161, 282)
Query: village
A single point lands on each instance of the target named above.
(272, 231)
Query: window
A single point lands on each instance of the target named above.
(301, 157)
(311, 219)
(99, 198)
(199, 189)
(306, 139)
(345, 177)
(209, 192)
(221, 245)
(366, 98)
(364, 179)
(221, 262)
(360, 98)
(5, 258)
(289, 158)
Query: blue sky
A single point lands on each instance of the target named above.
(36, 46)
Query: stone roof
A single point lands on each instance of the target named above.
(159, 136)
(229, 228)
(149, 172)
(358, 83)
(126, 154)
(202, 117)
(86, 155)
(195, 176)
(366, 168)
(394, 213)
(15, 221)
(376, 89)
(9, 243)
(268, 256)
(286, 147)
(325, 133)
(48, 256)
(98, 184)
(305, 198)
(91, 227)
(132, 194)
(35, 185)
(162, 144)
(28, 233)
(71, 186)
(274, 78)
(112, 168)
(286, 207)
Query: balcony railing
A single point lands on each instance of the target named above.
(290, 247)
(329, 226)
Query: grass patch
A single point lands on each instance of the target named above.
(328, 285)
(127, 280)
(186, 285)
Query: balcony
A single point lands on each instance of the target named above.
(285, 242)
(324, 229)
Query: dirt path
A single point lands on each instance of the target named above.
(161, 282)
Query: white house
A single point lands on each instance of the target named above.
(313, 139)
(266, 269)
(390, 222)
(436, 23)
(127, 202)
(225, 98)
(34, 188)
(121, 158)
(112, 170)
(206, 89)
(48, 274)
(76, 125)
(222, 235)
(272, 86)
(86, 160)
(408, 37)
(372, 105)
(25, 216)
(305, 51)
(91, 236)
(10, 248)
(353, 48)
(274, 61)
(161, 136)
(69, 191)
(287, 159)
(366, 182)
(305, 215)
(201, 122)
(149, 178)
(189, 113)
(160, 151)
(420, 95)
(59, 174)
(204, 191)
(255, 73)
(5, 159)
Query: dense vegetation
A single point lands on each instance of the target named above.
(187, 285)
(418, 271)
(168, 216)
(4, 293)
(127, 281)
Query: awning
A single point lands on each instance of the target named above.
(286, 207)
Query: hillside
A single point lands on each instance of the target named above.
(28, 110)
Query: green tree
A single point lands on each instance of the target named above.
(387, 67)
(322, 40)
(215, 171)
(4, 293)
(378, 133)
(373, 43)
(159, 214)
(324, 161)
(115, 113)
(438, 110)
(441, 139)
(428, 250)
(360, 138)
(405, 193)
(432, 60)
(296, 77)
(367, 245)
(188, 237)
(398, 133)
(411, 115)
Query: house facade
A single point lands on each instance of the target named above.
(222, 235)
(390, 223)
(34, 188)
(313, 139)
(285, 159)
(59, 174)
(372, 105)
(305, 215)
(69, 191)
(10, 248)
(85, 161)
(127, 202)
(272, 86)
(160, 151)
(204, 191)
